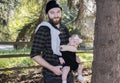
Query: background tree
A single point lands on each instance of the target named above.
(22, 16)
(6, 9)
(106, 63)
(82, 14)
(27, 30)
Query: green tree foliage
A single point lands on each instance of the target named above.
(25, 15)
(6, 8)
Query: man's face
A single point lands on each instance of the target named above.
(54, 15)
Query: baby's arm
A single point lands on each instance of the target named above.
(68, 48)
(78, 59)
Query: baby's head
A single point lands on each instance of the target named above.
(75, 40)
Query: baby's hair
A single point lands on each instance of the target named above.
(76, 36)
(73, 35)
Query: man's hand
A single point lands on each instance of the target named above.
(44, 63)
(57, 70)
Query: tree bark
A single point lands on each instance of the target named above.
(106, 62)
(69, 3)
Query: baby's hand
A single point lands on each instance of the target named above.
(61, 60)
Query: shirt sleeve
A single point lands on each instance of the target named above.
(38, 42)
(64, 35)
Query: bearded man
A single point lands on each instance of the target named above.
(47, 39)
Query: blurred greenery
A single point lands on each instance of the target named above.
(20, 51)
(15, 15)
(27, 61)
(16, 62)
(86, 59)
(22, 16)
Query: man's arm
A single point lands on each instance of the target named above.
(55, 69)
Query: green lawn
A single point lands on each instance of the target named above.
(27, 61)
(86, 59)
(21, 51)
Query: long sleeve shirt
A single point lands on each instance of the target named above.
(42, 45)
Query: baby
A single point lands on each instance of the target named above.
(69, 60)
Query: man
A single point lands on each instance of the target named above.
(42, 50)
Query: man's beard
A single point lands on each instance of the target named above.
(55, 21)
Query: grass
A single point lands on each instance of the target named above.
(27, 61)
(15, 62)
(86, 59)
(21, 51)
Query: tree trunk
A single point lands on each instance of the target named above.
(30, 27)
(106, 62)
(69, 3)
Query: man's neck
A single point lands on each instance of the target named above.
(58, 25)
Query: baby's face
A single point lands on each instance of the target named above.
(74, 42)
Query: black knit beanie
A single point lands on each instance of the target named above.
(52, 4)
